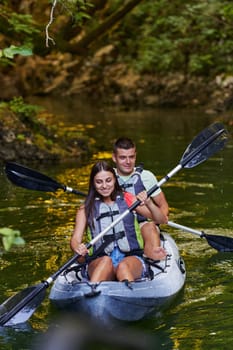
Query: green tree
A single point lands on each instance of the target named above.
(191, 37)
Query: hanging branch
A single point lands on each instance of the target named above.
(101, 29)
(48, 38)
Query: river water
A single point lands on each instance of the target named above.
(200, 198)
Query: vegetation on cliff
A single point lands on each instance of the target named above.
(29, 133)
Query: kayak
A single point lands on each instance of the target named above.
(122, 301)
(113, 300)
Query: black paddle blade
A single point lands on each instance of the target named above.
(220, 243)
(205, 144)
(30, 179)
(19, 308)
(33, 180)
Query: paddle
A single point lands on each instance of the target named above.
(33, 180)
(220, 243)
(20, 307)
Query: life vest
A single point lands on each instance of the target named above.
(133, 185)
(122, 234)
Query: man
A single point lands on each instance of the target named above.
(135, 180)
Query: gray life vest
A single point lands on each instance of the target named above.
(133, 185)
(122, 235)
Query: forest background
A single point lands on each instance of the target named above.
(124, 53)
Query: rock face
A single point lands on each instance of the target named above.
(25, 141)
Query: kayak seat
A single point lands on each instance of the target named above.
(79, 270)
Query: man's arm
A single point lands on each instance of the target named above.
(149, 180)
(161, 202)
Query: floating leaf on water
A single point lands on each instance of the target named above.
(11, 237)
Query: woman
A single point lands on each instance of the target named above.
(104, 203)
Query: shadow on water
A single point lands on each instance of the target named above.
(71, 332)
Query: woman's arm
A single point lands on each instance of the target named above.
(79, 229)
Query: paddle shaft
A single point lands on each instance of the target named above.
(185, 228)
(72, 190)
(218, 242)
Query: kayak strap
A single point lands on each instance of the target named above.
(93, 292)
(127, 283)
(153, 263)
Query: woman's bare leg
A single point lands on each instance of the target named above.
(130, 268)
(101, 269)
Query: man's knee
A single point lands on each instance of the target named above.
(149, 228)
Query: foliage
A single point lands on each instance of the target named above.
(22, 24)
(19, 30)
(190, 37)
(28, 115)
(10, 237)
(78, 9)
(19, 107)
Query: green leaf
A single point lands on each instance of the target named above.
(11, 237)
(9, 52)
(6, 231)
(7, 242)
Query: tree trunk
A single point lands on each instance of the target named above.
(103, 27)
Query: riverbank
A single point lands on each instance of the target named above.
(35, 136)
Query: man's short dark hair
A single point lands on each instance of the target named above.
(123, 142)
